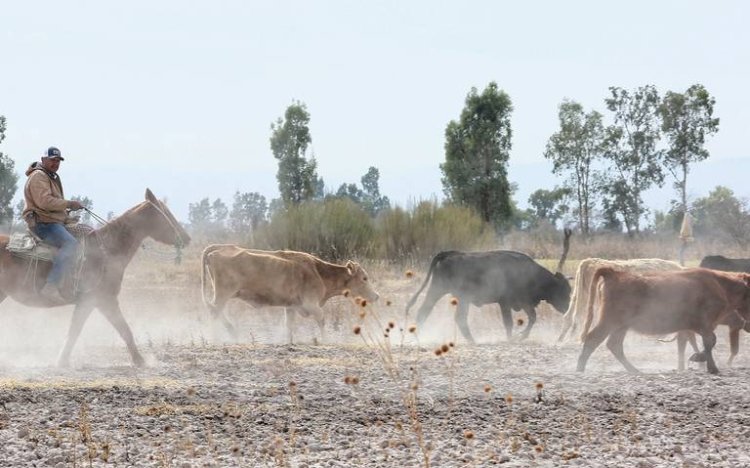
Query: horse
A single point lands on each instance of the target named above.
(108, 251)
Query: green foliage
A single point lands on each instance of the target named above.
(369, 195)
(549, 205)
(335, 229)
(290, 137)
(430, 228)
(634, 162)
(477, 149)
(573, 150)
(687, 119)
(208, 219)
(8, 179)
(722, 215)
(249, 210)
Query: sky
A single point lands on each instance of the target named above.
(179, 96)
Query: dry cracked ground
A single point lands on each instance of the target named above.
(357, 399)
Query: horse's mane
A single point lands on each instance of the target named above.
(118, 223)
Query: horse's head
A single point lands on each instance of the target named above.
(163, 227)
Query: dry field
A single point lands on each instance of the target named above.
(357, 400)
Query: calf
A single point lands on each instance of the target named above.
(660, 303)
(297, 281)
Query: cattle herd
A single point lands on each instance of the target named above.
(651, 296)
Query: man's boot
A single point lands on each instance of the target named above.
(52, 294)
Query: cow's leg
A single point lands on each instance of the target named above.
(734, 344)
(432, 296)
(462, 320)
(217, 311)
(319, 316)
(592, 341)
(681, 343)
(709, 341)
(289, 313)
(614, 343)
(568, 317)
(507, 314)
(80, 315)
(531, 312)
(113, 314)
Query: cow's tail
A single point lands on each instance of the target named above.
(435, 260)
(207, 278)
(601, 272)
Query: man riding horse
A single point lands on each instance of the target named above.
(45, 213)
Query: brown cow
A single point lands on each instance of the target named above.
(585, 271)
(695, 299)
(293, 280)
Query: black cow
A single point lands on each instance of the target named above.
(511, 279)
(734, 322)
(719, 262)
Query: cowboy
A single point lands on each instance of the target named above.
(46, 213)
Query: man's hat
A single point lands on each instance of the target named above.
(54, 153)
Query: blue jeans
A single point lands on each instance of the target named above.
(55, 234)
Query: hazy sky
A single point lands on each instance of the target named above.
(178, 96)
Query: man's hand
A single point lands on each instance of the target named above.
(75, 205)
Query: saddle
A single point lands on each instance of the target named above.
(29, 246)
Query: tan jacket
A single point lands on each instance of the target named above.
(44, 196)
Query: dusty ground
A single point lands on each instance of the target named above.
(201, 402)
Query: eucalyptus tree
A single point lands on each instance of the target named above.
(635, 163)
(477, 148)
(290, 138)
(574, 150)
(687, 119)
(8, 179)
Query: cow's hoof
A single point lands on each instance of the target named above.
(139, 362)
(713, 371)
(698, 357)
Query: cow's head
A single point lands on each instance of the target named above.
(559, 294)
(358, 283)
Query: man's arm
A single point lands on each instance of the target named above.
(41, 193)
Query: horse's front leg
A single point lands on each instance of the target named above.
(80, 315)
(111, 310)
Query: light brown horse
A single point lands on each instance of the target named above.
(104, 268)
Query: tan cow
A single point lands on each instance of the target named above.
(577, 308)
(296, 281)
(660, 303)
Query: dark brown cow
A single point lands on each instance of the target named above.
(695, 299)
(293, 280)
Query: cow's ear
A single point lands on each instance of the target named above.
(350, 266)
(150, 196)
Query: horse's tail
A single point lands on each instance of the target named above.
(601, 272)
(437, 258)
(207, 277)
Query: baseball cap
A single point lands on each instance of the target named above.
(54, 153)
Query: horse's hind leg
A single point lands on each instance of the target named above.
(113, 313)
(80, 315)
